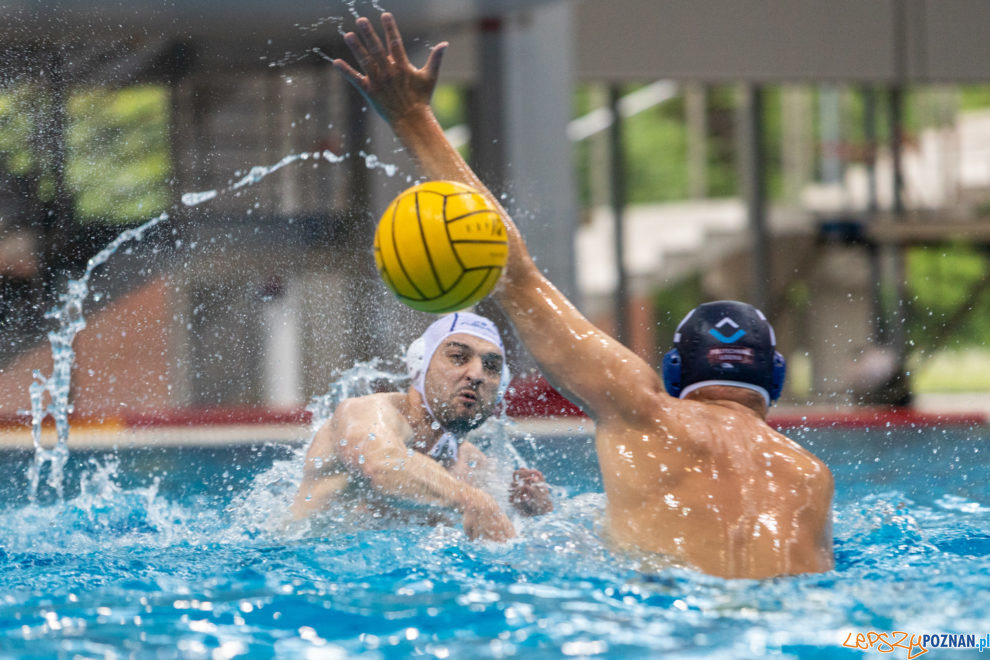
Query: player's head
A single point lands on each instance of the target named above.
(458, 366)
(724, 343)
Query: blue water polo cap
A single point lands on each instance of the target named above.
(724, 343)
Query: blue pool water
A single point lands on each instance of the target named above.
(181, 553)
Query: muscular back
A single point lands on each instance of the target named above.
(712, 485)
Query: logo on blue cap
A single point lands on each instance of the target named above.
(736, 336)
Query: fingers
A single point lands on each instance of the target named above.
(373, 57)
(360, 52)
(349, 73)
(493, 530)
(432, 66)
(370, 40)
(395, 46)
(527, 475)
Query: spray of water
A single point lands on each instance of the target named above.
(273, 489)
(361, 379)
(50, 395)
(69, 316)
(339, 23)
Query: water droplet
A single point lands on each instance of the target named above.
(194, 198)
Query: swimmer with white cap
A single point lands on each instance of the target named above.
(692, 473)
(411, 445)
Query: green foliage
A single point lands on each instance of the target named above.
(119, 160)
(672, 304)
(974, 97)
(449, 106)
(954, 370)
(117, 149)
(723, 177)
(17, 129)
(655, 142)
(940, 280)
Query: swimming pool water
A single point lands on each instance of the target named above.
(180, 553)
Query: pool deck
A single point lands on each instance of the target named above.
(248, 426)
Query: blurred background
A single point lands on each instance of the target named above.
(827, 162)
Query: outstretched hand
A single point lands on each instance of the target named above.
(389, 81)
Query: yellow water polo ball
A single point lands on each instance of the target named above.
(440, 246)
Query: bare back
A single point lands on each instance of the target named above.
(712, 485)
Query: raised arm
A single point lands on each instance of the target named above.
(587, 365)
(367, 438)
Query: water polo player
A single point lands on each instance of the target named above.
(701, 479)
(410, 446)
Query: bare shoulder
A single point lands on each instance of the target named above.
(806, 465)
(368, 408)
(363, 412)
(715, 428)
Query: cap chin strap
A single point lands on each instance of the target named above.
(731, 383)
(448, 444)
(446, 447)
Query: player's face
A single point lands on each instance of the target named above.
(462, 381)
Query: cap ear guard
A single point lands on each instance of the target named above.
(779, 375)
(506, 379)
(672, 372)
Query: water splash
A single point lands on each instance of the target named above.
(338, 23)
(371, 161)
(195, 198)
(71, 320)
(362, 379)
(259, 172)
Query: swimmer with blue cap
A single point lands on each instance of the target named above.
(412, 445)
(692, 472)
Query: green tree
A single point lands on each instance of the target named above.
(119, 159)
(117, 149)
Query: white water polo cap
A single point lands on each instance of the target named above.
(420, 353)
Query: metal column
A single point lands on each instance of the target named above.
(754, 177)
(522, 106)
(618, 199)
